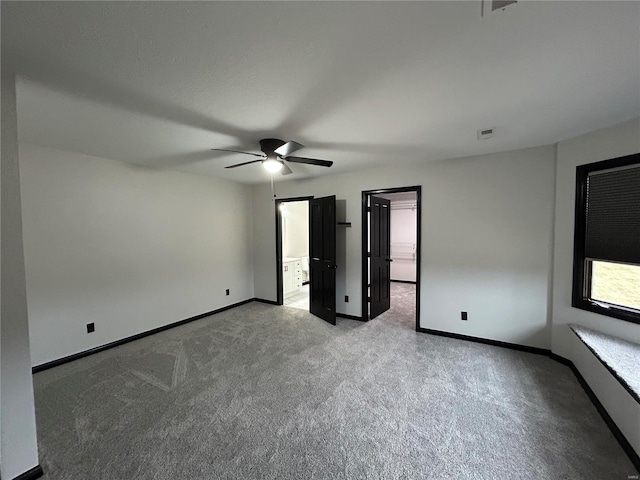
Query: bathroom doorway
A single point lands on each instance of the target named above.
(292, 251)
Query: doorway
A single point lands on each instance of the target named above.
(292, 252)
(391, 234)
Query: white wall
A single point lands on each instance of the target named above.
(126, 247)
(18, 444)
(486, 240)
(295, 229)
(619, 140)
(403, 233)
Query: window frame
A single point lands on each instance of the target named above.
(581, 266)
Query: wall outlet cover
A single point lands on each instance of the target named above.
(91, 327)
(486, 133)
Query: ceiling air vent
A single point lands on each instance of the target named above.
(491, 6)
(485, 133)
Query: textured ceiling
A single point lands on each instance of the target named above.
(359, 83)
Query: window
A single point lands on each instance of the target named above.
(606, 251)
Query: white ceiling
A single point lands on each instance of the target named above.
(359, 83)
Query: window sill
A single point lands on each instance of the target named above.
(620, 357)
(609, 311)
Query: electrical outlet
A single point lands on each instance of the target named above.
(91, 327)
(346, 299)
(463, 316)
(227, 292)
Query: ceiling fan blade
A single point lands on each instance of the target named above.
(288, 148)
(285, 169)
(244, 163)
(310, 161)
(235, 151)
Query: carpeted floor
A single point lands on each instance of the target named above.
(264, 392)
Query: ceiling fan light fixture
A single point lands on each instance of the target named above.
(272, 165)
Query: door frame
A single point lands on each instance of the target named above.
(277, 203)
(364, 249)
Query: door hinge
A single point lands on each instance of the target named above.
(368, 299)
(368, 254)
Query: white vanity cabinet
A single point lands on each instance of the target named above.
(291, 276)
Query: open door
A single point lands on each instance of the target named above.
(380, 238)
(322, 258)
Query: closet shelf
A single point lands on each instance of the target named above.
(403, 251)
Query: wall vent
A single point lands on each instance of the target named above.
(491, 6)
(485, 133)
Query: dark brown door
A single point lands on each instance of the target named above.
(322, 258)
(380, 238)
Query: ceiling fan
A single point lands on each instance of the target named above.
(276, 155)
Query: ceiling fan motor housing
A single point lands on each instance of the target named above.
(268, 145)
